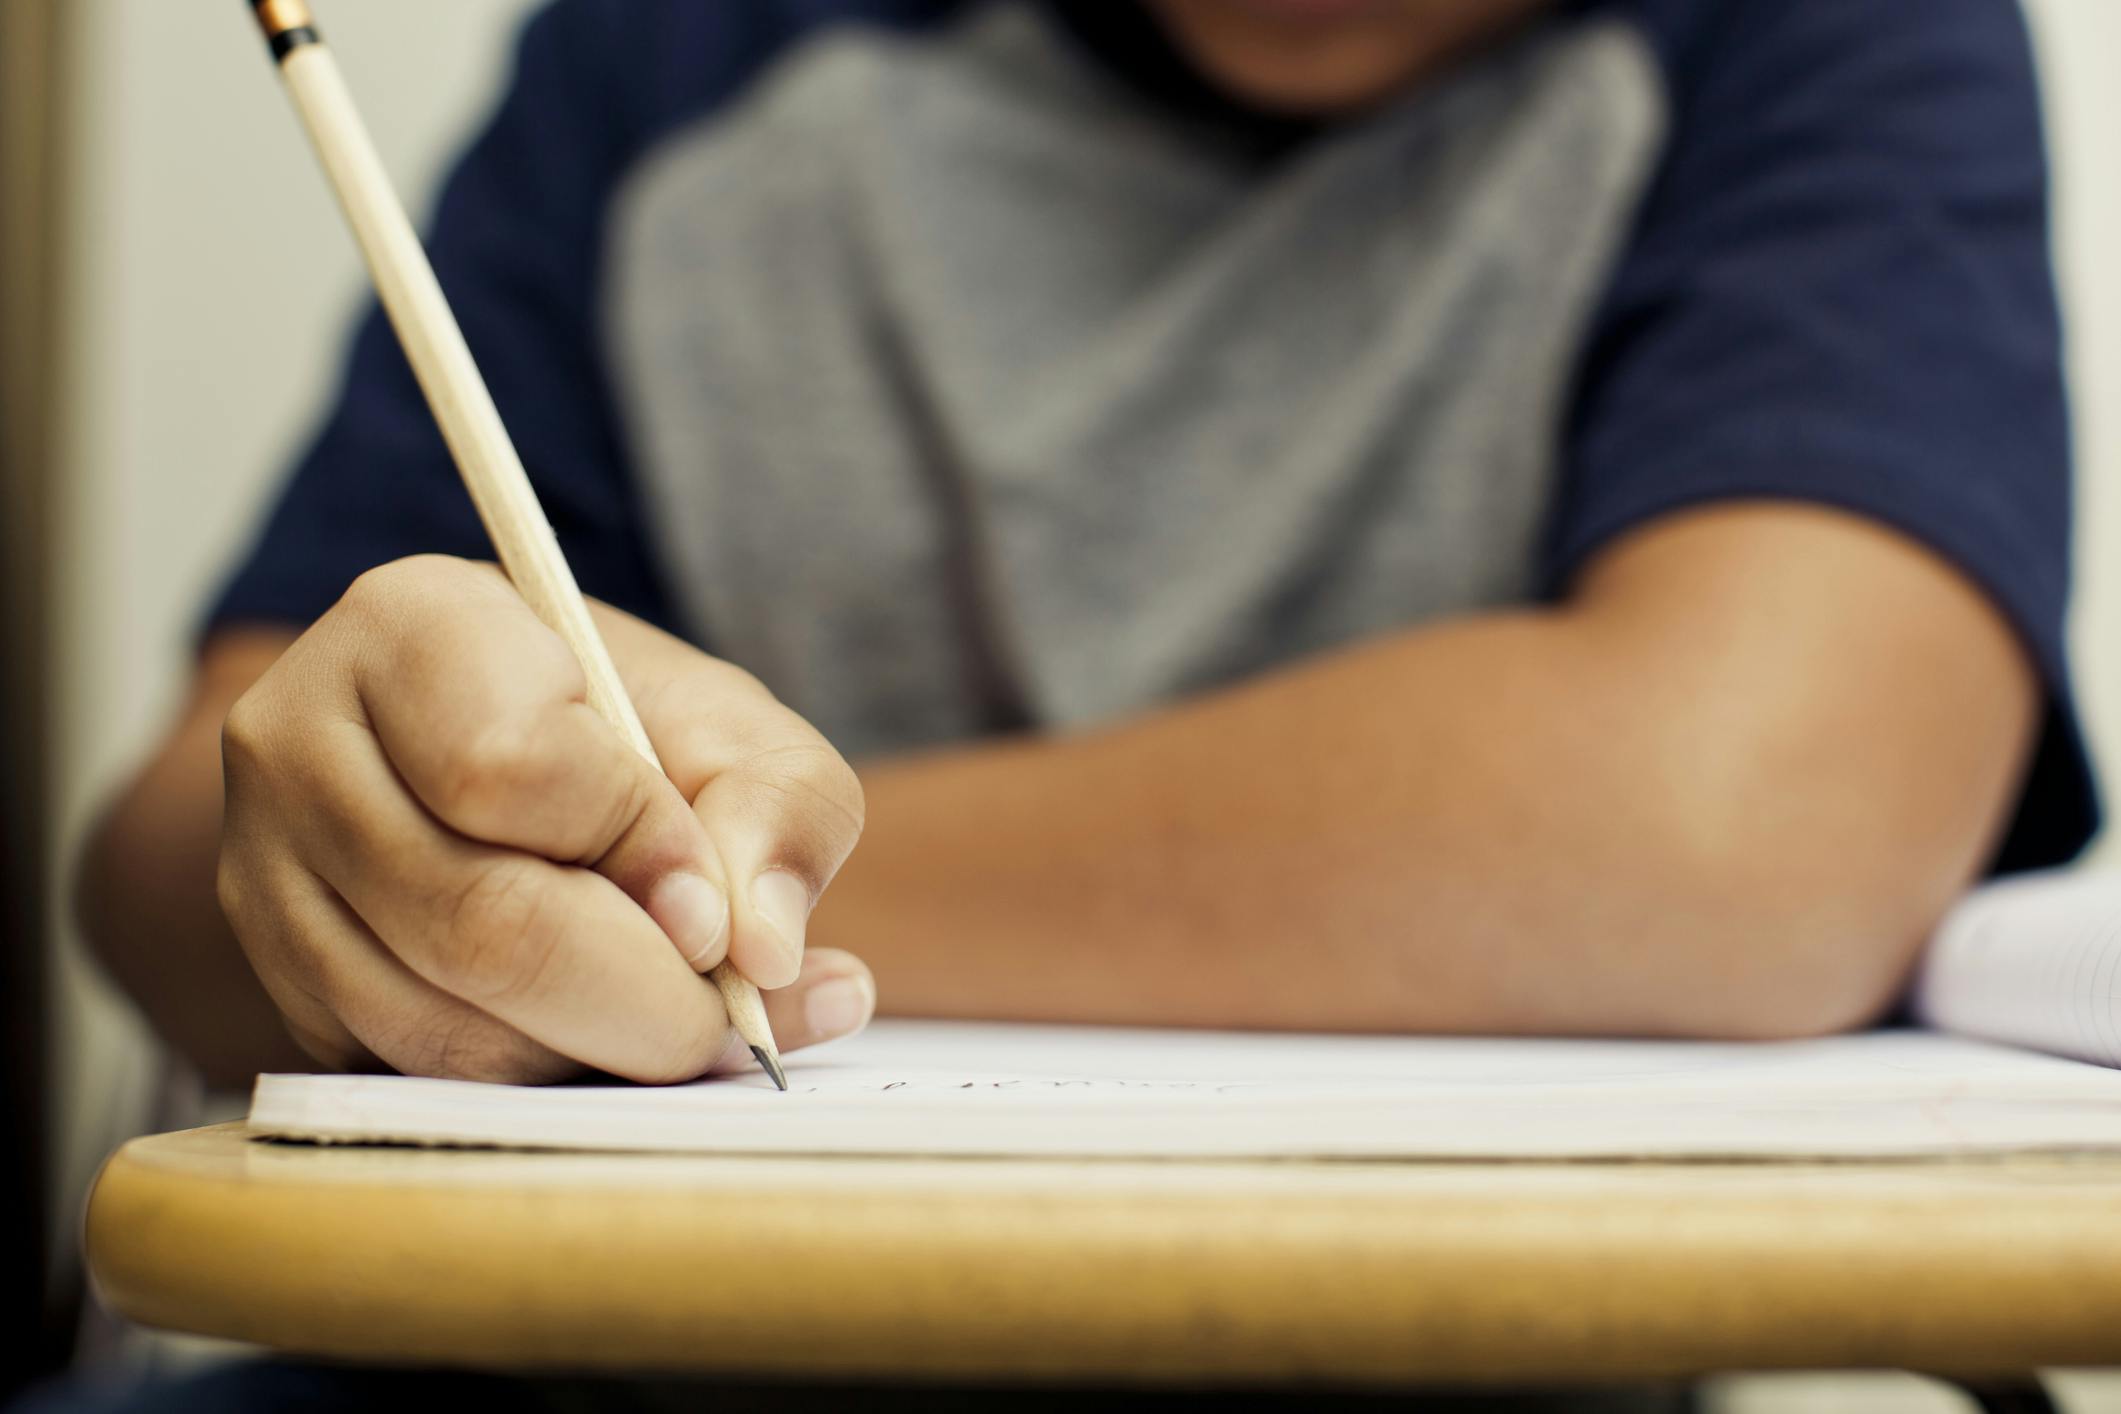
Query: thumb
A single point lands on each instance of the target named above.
(782, 820)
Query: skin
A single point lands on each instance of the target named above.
(1724, 788)
(1325, 58)
(437, 858)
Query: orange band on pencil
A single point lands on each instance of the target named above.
(280, 16)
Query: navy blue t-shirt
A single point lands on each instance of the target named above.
(1828, 281)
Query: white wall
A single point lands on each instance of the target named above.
(2079, 43)
(211, 283)
(209, 287)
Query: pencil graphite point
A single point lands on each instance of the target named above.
(772, 1066)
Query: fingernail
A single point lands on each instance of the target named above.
(783, 901)
(694, 913)
(839, 1006)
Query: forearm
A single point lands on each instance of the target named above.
(146, 896)
(1576, 821)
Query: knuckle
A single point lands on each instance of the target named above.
(811, 781)
(627, 806)
(814, 772)
(491, 769)
(258, 913)
(499, 933)
(845, 789)
(400, 592)
(375, 591)
(231, 891)
(244, 734)
(392, 581)
(718, 714)
(278, 757)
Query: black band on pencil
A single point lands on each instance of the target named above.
(289, 40)
(286, 23)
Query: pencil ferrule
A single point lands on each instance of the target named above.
(287, 41)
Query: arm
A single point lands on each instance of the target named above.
(1723, 791)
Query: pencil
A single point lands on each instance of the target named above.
(458, 397)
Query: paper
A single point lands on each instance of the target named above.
(1004, 1090)
(2032, 961)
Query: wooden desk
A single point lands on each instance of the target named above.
(1295, 1272)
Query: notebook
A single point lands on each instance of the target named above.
(2017, 994)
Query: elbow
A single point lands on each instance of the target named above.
(1806, 1003)
(1803, 942)
(1785, 975)
(1815, 876)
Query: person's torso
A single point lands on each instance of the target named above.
(969, 388)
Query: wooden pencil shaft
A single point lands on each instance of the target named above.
(435, 347)
(470, 423)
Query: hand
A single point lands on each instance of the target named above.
(439, 858)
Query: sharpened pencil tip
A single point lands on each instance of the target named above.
(772, 1065)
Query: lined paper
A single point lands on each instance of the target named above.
(2031, 961)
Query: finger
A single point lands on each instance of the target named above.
(555, 951)
(353, 1006)
(483, 712)
(834, 997)
(781, 806)
(257, 884)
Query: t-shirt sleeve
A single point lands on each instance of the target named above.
(516, 244)
(1840, 291)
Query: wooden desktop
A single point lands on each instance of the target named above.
(1291, 1273)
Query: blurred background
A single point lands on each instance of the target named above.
(177, 288)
